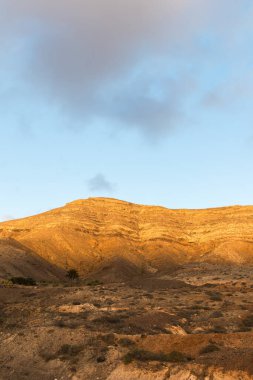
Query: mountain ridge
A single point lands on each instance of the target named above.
(110, 199)
(89, 234)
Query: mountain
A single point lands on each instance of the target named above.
(109, 235)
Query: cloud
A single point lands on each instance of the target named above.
(100, 184)
(129, 64)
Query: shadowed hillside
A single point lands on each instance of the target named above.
(100, 233)
(16, 260)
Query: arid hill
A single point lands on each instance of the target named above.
(179, 311)
(101, 234)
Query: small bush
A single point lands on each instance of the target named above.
(70, 321)
(209, 348)
(219, 329)
(94, 283)
(108, 338)
(69, 350)
(148, 295)
(126, 342)
(109, 319)
(214, 296)
(243, 329)
(46, 355)
(76, 303)
(216, 314)
(72, 274)
(248, 321)
(27, 281)
(101, 359)
(66, 351)
(145, 356)
(59, 323)
(196, 307)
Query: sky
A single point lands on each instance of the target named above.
(149, 101)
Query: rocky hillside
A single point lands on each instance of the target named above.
(101, 234)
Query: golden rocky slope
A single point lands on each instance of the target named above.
(103, 233)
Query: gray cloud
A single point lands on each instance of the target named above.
(123, 62)
(99, 183)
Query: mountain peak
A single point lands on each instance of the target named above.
(90, 233)
(97, 200)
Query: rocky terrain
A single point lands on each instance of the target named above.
(156, 329)
(108, 235)
(162, 294)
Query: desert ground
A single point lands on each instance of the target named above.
(194, 323)
(161, 294)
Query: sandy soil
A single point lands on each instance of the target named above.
(194, 324)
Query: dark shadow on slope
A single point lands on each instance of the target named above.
(116, 270)
(122, 270)
(16, 260)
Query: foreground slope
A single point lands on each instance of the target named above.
(95, 233)
(121, 332)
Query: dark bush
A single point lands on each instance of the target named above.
(27, 281)
(59, 323)
(144, 356)
(72, 274)
(66, 352)
(216, 314)
(108, 319)
(218, 329)
(248, 321)
(101, 359)
(214, 296)
(108, 338)
(94, 283)
(125, 342)
(209, 348)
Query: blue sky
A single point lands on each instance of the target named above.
(146, 101)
